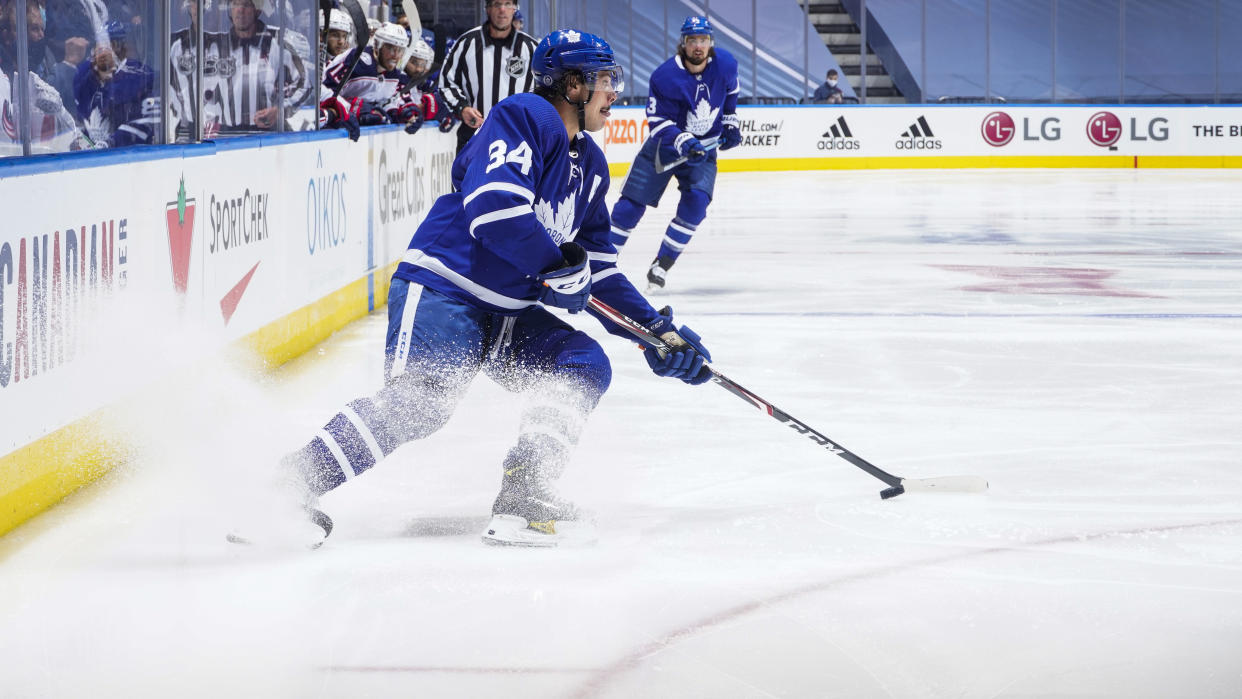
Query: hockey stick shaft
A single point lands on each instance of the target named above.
(897, 485)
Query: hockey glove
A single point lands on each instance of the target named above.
(568, 285)
(685, 146)
(409, 114)
(429, 107)
(372, 117)
(687, 358)
(337, 113)
(731, 135)
(447, 121)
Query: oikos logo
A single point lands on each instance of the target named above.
(1104, 129)
(998, 129)
(325, 209)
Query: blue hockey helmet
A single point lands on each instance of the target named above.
(567, 50)
(696, 25)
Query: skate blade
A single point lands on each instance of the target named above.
(511, 530)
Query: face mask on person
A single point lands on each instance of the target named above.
(832, 82)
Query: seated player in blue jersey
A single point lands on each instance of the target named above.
(372, 93)
(691, 110)
(526, 228)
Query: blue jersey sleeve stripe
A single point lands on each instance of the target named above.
(501, 215)
(601, 257)
(517, 189)
(418, 258)
(658, 128)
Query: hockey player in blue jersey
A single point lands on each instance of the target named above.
(526, 228)
(691, 109)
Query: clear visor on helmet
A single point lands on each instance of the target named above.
(608, 80)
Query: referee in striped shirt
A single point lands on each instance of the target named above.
(486, 65)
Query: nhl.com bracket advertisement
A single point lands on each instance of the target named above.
(828, 137)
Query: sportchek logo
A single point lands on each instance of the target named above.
(838, 137)
(919, 137)
(1104, 129)
(998, 129)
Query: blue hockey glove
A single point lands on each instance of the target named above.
(409, 114)
(447, 121)
(568, 285)
(731, 135)
(688, 358)
(372, 117)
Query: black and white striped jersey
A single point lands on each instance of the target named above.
(479, 71)
(240, 78)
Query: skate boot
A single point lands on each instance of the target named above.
(528, 513)
(658, 272)
(292, 521)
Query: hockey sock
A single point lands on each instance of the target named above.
(368, 429)
(691, 211)
(625, 216)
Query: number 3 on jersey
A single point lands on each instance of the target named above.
(498, 156)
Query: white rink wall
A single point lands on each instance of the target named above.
(120, 269)
(989, 135)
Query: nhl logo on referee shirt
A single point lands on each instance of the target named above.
(516, 66)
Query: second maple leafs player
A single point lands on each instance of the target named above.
(525, 228)
(692, 100)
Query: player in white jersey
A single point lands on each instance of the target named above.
(338, 37)
(374, 88)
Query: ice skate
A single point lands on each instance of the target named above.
(528, 513)
(658, 273)
(292, 521)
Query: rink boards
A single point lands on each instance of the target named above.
(822, 137)
(121, 270)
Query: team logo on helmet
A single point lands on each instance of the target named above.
(572, 36)
(695, 25)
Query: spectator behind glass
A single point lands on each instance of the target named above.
(52, 126)
(828, 92)
(109, 89)
(65, 70)
(70, 19)
(240, 73)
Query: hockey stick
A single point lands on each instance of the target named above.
(897, 485)
(707, 143)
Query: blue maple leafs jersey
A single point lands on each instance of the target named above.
(680, 102)
(520, 190)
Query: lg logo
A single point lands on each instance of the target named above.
(1105, 129)
(999, 128)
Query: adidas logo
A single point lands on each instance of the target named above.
(838, 137)
(839, 130)
(919, 137)
(916, 132)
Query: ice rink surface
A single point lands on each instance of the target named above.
(1074, 337)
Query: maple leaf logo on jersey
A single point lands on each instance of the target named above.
(97, 126)
(558, 221)
(700, 121)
